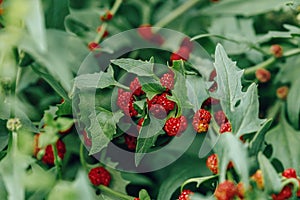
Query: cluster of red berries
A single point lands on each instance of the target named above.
(145, 31)
(48, 155)
(286, 191)
(185, 195)
(99, 176)
(186, 47)
(159, 106)
(227, 190)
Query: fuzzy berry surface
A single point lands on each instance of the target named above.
(136, 88)
(167, 81)
(201, 120)
(289, 173)
(185, 195)
(125, 103)
(226, 191)
(212, 163)
(240, 190)
(175, 126)
(183, 53)
(226, 127)
(276, 50)
(160, 105)
(99, 176)
(263, 75)
(284, 194)
(107, 16)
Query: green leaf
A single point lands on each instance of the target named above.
(230, 148)
(51, 80)
(12, 168)
(36, 25)
(271, 179)
(97, 80)
(138, 67)
(108, 120)
(196, 91)
(180, 93)
(64, 123)
(55, 13)
(63, 58)
(285, 142)
(257, 142)
(77, 190)
(151, 86)
(147, 137)
(143, 195)
(198, 180)
(244, 8)
(293, 104)
(234, 101)
(291, 31)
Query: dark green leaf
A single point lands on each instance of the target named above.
(56, 11)
(293, 104)
(285, 142)
(147, 137)
(138, 67)
(151, 86)
(270, 176)
(245, 8)
(257, 142)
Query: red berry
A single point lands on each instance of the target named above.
(145, 31)
(107, 16)
(136, 199)
(289, 173)
(175, 126)
(1, 1)
(186, 42)
(201, 121)
(226, 127)
(240, 190)
(136, 87)
(284, 194)
(167, 80)
(183, 53)
(160, 105)
(125, 103)
(99, 176)
(226, 191)
(130, 141)
(212, 163)
(220, 117)
(263, 75)
(185, 195)
(48, 157)
(93, 45)
(276, 50)
(66, 131)
(258, 178)
(282, 92)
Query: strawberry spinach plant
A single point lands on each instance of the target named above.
(153, 99)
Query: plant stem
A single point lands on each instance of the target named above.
(267, 63)
(115, 193)
(57, 161)
(81, 155)
(176, 13)
(113, 11)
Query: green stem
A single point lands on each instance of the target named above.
(57, 161)
(14, 143)
(122, 86)
(81, 155)
(115, 193)
(176, 13)
(267, 63)
(113, 11)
